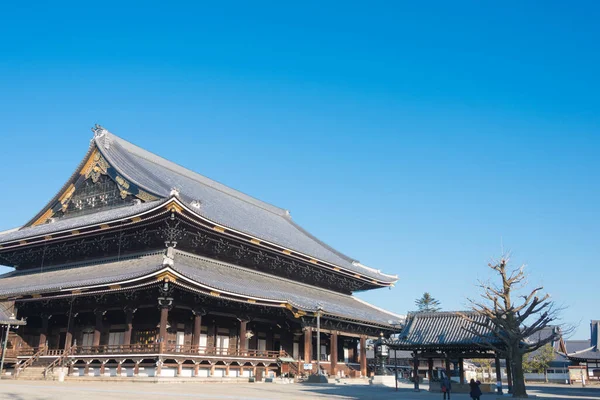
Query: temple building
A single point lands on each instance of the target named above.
(140, 267)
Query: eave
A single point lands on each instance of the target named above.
(175, 206)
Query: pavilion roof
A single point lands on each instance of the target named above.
(224, 279)
(589, 353)
(7, 314)
(442, 330)
(212, 200)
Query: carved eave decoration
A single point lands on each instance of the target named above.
(183, 224)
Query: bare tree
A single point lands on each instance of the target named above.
(508, 326)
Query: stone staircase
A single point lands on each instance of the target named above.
(33, 373)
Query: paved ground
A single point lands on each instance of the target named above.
(41, 390)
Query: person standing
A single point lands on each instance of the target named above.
(475, 390)
(446, 386)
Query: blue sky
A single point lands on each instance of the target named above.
(415, 138)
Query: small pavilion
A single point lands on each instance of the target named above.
(590, 357)
(446, 336)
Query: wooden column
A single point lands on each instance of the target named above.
(498, 374)
(447, 360)
(242, 336)
(334, 353)
(98, 328)
(196, 369)
(363, 355)
(461, 370)
(69, 334)
(430, 368)
(44, 331)
(162, 330)
(136, 368)
(197, 330)
(308, 345)
(129, 325)
(416, 371)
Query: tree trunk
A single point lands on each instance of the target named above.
(518, 389)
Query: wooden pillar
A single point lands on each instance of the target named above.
(430, 368)
(69, 334)
(158, 368)
(509, 375)
(227, 370)
(119, 367)
(212, 369)
(196, 369)
(44, 331)
(498, 374)
(308, 345)
(363, 355)
(416, 371)
(129, 326)
(242, 337)
(179, 368)
(162, 330)
(197, 330)
(102, 367)
(136, 368)
(461, 370)
(86, 369)
(98, 328)
(334, 352)
(447, 361)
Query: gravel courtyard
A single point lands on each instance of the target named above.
(41, 390)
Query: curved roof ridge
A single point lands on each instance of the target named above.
(188, 173)
(63, 187)
(86, 263)
(592, 348)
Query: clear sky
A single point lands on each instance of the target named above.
(415, 138)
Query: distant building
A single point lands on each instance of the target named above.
(588, 356)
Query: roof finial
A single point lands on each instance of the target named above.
(99, 131)
(174, 192)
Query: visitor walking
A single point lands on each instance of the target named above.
(446, 387)
(475, 390)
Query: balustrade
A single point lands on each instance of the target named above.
(154, 348)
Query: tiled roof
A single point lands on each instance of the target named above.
(441, 329)
(574, 346)
(591, 353)
(221, 204)
(67, 224)
(32, 281)
(205, 272)
(231, 278)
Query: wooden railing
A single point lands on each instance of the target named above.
(27, 363)
(60, 360)
(154, 348)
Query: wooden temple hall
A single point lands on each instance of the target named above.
(140, 267)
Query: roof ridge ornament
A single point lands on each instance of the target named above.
(100, 132)
(174, 192)
(169, 257)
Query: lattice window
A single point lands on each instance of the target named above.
(92, 196)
